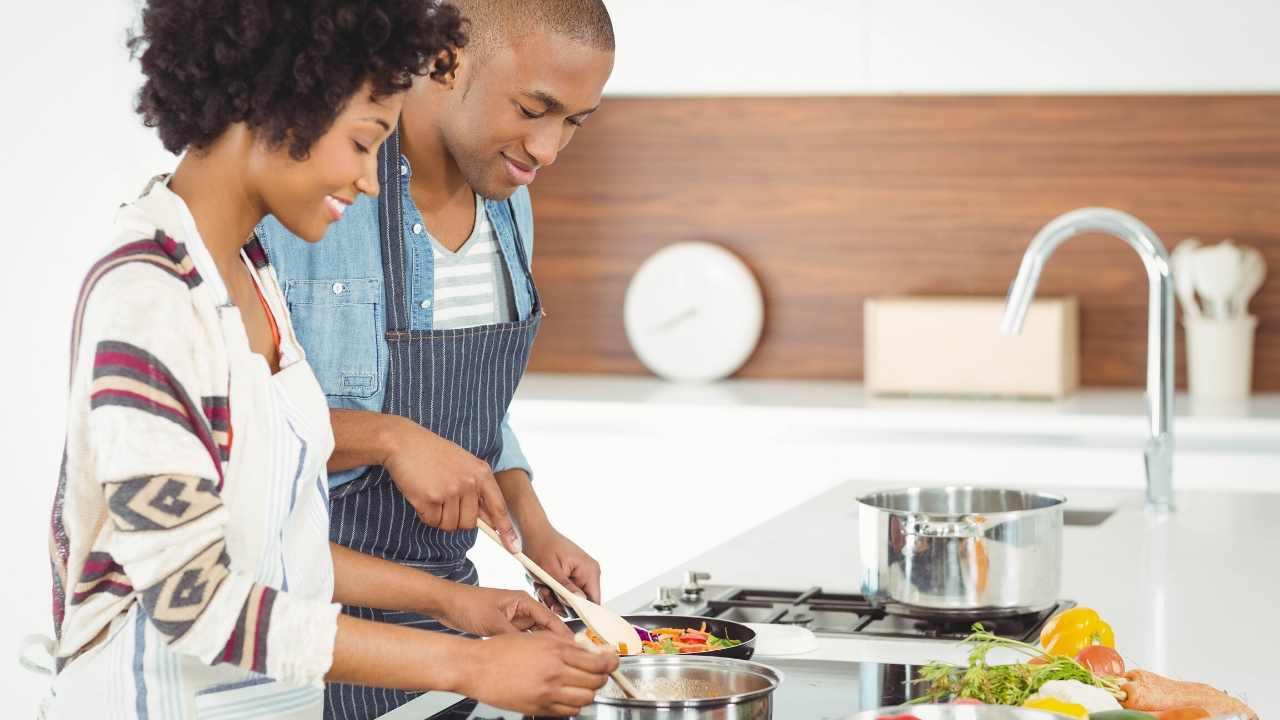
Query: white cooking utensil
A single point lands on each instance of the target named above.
(1253, 271)
(1183, 281)
(1216, 270)
(628, 688)
(606, 623)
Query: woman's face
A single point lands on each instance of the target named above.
(307, 196)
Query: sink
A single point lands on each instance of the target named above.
(1084, 517)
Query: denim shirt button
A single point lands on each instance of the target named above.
(425, 304)
(417, 228)
(339, 288)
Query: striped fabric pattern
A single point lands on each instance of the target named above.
(170, 559)
(471, 287)
(218, 412)
(101, 573)
(247, 647)
(133, 369)
(456, 381)
(127, 376)
(160, 251)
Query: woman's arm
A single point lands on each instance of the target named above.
(365, 581)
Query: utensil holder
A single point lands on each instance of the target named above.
(1220, 356)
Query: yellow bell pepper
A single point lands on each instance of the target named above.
(1069, 632)
(1060, 707)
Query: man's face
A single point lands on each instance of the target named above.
(513, 113)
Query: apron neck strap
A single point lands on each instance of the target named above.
(391, 232)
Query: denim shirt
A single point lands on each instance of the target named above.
(335, 295)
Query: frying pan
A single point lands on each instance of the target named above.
(723, 629)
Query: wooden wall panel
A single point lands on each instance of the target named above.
(831, 200)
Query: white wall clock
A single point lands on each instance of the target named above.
(694, 311)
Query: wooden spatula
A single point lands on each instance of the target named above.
(609, 625)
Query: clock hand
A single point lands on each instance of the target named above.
(675, 320)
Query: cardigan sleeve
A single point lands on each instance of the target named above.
(159, 435)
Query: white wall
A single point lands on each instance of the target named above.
(889, 46)
(71, 149)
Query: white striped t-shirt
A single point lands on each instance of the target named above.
(472, 285)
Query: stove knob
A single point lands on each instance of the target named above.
(692, 591)
(665, 602)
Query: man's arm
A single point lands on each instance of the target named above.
(447, 486)
(558, 555)
(363, 438)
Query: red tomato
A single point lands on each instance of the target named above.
(1101, 660)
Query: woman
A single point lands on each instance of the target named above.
(193, 573)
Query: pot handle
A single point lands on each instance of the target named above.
(923, 526)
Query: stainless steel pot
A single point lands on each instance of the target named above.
(705, 688)
(960, 551)
(959, 712)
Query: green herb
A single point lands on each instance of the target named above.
(721, 643)
(1001, 684)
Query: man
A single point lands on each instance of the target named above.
(418, 310)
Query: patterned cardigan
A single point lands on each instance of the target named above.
(137, 516)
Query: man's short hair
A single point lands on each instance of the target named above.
(498, 23)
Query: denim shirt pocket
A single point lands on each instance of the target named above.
(337, 323)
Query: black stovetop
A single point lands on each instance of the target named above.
(851, 614)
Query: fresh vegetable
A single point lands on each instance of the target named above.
(1101, 660)
(1009, 684)
(1151, 692)
(673, 641)
(1069, 632)
(1057, 706)
(1093, 699)
(966, 701)
(1183, 713)
(898, 717)
(1121, 715)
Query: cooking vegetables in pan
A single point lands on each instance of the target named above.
(674, 641)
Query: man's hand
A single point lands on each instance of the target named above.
(488, 612)
(535, 674)
(448, 487)
(568, 563)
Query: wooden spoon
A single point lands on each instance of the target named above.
(628, 688)
(609, 625)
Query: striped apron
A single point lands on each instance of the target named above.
(457, 384)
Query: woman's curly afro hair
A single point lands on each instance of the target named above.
(286, 68)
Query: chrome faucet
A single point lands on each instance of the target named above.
(1159, 449)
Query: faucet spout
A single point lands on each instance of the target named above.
(1159, 448)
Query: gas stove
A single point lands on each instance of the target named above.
(820, 685)
(832, 614)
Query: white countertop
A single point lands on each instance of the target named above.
(1192, 594)
(1107, 416)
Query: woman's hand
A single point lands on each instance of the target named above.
(535, 674)
(488, 612)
